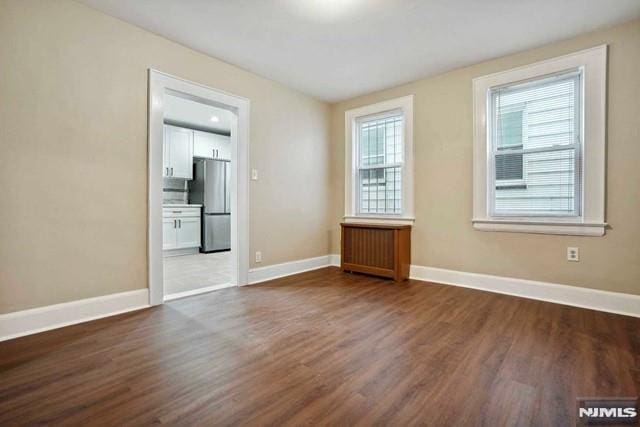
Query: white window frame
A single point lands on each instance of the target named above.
(590, 218)
(352, 118)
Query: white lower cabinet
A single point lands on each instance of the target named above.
(188, 232)
(169, 234)
(180, 228)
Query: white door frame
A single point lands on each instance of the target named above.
(159, 84)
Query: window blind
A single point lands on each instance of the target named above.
(380, 152)
(536, 147)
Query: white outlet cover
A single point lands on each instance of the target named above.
(258, 256)
(573, 254)
(254, 174)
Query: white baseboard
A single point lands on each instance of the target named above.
(270, 272)
(198, 291)
(26, 322)
(334, 260)
(32, 321)
(594, 299)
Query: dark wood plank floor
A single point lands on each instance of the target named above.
(324, 348)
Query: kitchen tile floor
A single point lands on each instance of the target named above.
(190, 272)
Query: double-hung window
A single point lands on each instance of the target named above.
(380, 163)
(379, 166)
(539, 147)
(536, 147)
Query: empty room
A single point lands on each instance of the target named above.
(320, 212)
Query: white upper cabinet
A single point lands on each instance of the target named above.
(178, 152)
(211, 146)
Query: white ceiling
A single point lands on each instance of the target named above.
(336, 49)
(186, 112)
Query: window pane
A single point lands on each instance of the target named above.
(510, 129)
(380, 141)
(537, 114)
(550, 186)
(380, 190)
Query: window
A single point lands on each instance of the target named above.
(380, 145)
(532, 126)
(379, 175)
(536, 147)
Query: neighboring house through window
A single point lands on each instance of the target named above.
(509, 138)
(532, 126)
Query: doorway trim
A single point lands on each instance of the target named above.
(159, 84)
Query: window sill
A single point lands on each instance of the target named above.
(541, 227)
(380, 219)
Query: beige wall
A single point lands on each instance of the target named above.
(443, 235)
(73, 154)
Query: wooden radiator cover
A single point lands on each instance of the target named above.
(381, 250)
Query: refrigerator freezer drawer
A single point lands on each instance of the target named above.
(216, 233)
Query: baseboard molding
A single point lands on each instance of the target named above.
(32, 321)
(594, 299)
(334, 260)
(199, 291)
(270, 272)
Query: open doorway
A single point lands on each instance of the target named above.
(198, 216)
(196, 205)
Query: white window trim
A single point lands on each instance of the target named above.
(404, 104)
(591, 222)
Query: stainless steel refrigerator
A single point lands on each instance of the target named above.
(211, 187)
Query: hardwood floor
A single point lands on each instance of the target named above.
(324, 348)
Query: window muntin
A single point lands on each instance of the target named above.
(380, 143)
(535, 143)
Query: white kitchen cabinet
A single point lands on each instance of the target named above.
(180, 227)
(211, 146)
(169, 234)
(178, 152)
(188, 232)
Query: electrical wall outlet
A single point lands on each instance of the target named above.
(573, 254)
(254, 174)
(258, 256)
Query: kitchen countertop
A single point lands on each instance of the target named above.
(181, 205)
